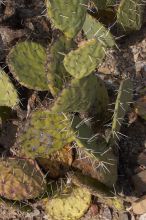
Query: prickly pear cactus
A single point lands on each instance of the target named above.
(26, 61)
(44, 133)
(56, 73)
(8, 94)
(124, 98)
(94, 29)
(104, 3)
(68, 16)
(20, 179)
(57, 163)
(82, 61)
(129, 14)
(72, 203)
(80, 95)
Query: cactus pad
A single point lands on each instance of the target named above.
(44, 133)
(66, 15)
(57, 163)
(8, 94)
(20, 179)
(56, 73)
(124, 98)
(82, 61)
(70, 205)
(94, 29)
(26, 61)
(81, 95)
(104, 3)
(129, 15)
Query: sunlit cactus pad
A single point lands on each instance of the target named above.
(71, 204)
(82, 61)
(94, 29)
(66, 15)
(20, 179)
(26, 61)
(8, 94)
(44, 133)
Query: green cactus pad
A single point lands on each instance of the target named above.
(82, 61)
(129, 15)
(103, 4)
(94, 29)
(43, 134)
(66, 15)
(70, 205)
(20, 179)
(81, 95)
(124, 98)
(56, 73)
(97, 161)
(26, 61)
(8, 94)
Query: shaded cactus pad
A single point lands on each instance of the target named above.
(129, 14)
(8, 94)
(103, 4)
(44, 133)
(70, 205)
(26, 61)
(20, 179)
(82, 61)
(81, 95)
(56, 73)
(66, 15)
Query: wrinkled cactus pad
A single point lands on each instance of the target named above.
(57, 163)
(26, 61)
(82, 61)
(44, 133)
(71, 204)
(20, 179)
(8, 94)
(66, 15)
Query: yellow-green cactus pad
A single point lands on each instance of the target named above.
(66, 15)
(82, 61)
(20, 179)
(44, 133)
(56, 73)
(103, 4)
(81, 95)
(26, 61)
(8, 94)
(129, 14)
(68, 205)
(94, 29)
(124, 98)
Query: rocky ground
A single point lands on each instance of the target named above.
(17, 21)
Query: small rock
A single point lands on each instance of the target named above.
(142, 217)
(139, 207)
(123, 216)
(139, 181)
(106, 214)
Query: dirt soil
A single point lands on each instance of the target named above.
(24, 19)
